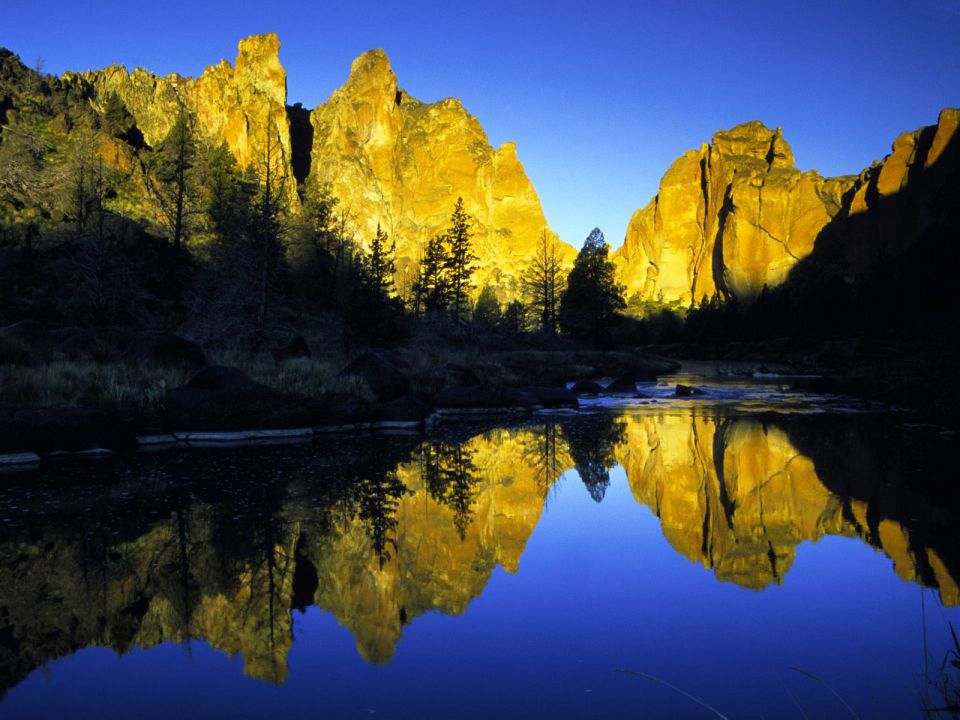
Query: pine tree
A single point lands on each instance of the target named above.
(115, 118)
(459, 268)
(433, 287)
(267, 227)
(487, 311)
(590, 303)
(381, 265)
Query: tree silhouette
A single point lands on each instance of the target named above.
(433, 287)
(590, 303)
(173, 185)
(543, 281)
(377, 499)
(451, 478)
(459, 268)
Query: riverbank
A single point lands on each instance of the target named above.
(84, 392)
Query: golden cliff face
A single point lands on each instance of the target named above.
(737, 214)
(731, 217)
(431, 565)
(738, 497)
(401, 163)
(237, 104)
(390, 159)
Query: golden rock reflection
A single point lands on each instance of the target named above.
(379, 544)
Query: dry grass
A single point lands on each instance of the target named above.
(143, 386)
(66, 382)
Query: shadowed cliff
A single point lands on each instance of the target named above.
(737, 217)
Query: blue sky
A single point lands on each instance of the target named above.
(600, 97)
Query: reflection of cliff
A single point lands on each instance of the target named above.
(738, 496)
(439, 562)
(223, 549)
(374, 546)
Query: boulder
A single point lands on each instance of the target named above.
(475, 397)
(164, 348)
(553, 397)
(24, 343)
(454, 374)
(31, 332)
(586, 387)
(342, 413)
(461, 397)
(99, 344)
(295, 349)
(405, 410)
(625, 384)
(221, 399)
(381, 374)
(221, 377)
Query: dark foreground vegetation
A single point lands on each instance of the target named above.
(158, 289)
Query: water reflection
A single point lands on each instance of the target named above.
(225, 546)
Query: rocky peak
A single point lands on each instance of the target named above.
(754, 140)
(737, 215)
(401, 164)
(258, 66)
(371, 74)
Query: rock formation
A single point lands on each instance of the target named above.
(390, 159)
(401, 163)
(737, 214)
(238, 104)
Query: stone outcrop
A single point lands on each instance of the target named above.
(737, 214)
(401, 163)
(391, 159)
(237, 104)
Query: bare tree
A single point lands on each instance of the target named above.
(544, 281)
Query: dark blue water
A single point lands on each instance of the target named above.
(773, 583)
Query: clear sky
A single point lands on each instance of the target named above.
(600, 97)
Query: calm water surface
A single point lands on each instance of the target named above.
(772, 555)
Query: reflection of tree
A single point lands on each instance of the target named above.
(542, 456)
(592, 445)
(377, 499)
(451, 478)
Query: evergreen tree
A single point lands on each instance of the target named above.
(267, 230)
(515, 318)
(115, 119)
(487, 311)
(459, 268)
(590, 303)
(228, 194)
(316, 235)
(433, 287)
(380, 265)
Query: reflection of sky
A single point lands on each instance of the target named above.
(599, 101)
(599, 588)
